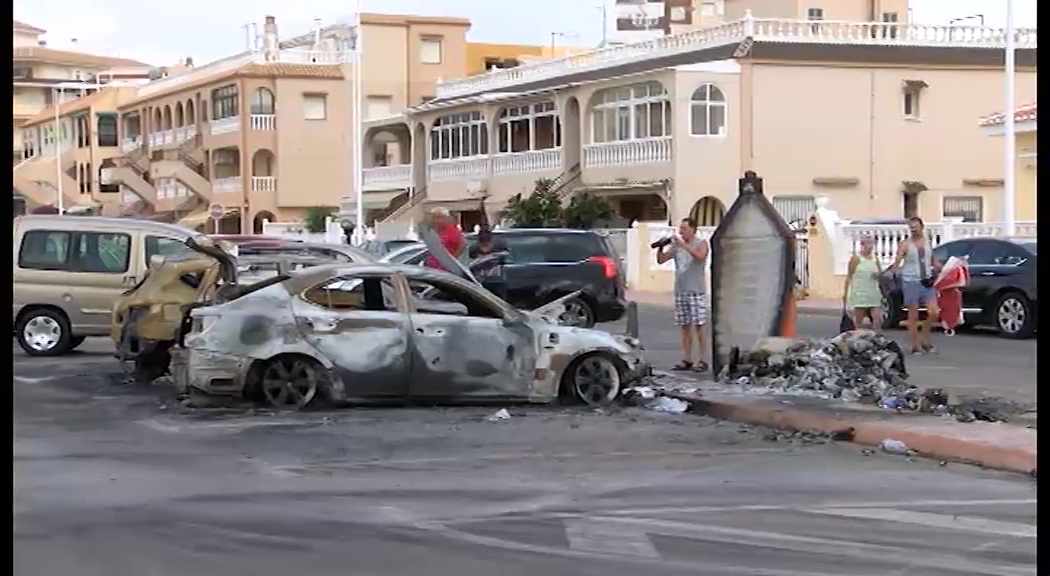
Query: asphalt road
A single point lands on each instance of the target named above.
(113, 479)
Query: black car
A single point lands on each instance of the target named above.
(544, 264)
(1002, 289)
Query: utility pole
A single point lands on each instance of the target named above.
(1010, 177)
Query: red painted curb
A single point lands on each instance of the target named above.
(930, 444)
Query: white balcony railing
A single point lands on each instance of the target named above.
(224, 126)
(647, 151)
(232, 184)
(130, 144)
(184, 133)
(168, 188)
(263, 184)
(387, 177)
(527, 162)
(264, 121)
(732, 33)
(459, 168)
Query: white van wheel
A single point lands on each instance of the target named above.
(44, 332)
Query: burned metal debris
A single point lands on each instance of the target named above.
(857, 366)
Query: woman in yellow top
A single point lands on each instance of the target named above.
(861, 293)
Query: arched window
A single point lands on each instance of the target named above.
(631, 113)
(459, 136)
(708, 110)
(262, 102)
(529, 127)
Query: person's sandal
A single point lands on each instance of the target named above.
(701, 366)
(929, 349)
(683, 366)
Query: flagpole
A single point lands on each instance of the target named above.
(1010, 176)
(358, 137)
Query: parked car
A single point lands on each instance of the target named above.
(336, 252)
(1002, 290)
(147, 319)
(358, 332)
(69, 273)
(544, 264)
(383, 247)
(259, 239)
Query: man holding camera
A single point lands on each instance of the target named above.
(690, 292)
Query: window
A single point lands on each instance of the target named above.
(529, 127)
(708, 9)
(315, 106)
(910, 103)
(631, 112)
(354, 293)
(378, 107)
(550, 248)
(441, 298)
(459, 136)
(107, 130)
(44, 250)
(708, 111)
(262, 101)
(969, 208)
(815, 14)
(430, 50)
(795, 209)
(103, 252)
(161, 246)
(958, 249)
(996, 253)
(224, 102)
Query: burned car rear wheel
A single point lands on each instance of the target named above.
(290, 382)
(595, 379)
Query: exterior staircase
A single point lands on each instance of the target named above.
(407, 204)
(182, 171)
(568, 182)
(129, 171)
(35, 178)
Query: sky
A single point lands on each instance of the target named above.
(163, 33)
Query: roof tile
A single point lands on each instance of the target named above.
(1026, 113)
(45, 54)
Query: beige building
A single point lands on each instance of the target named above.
(878, 116)
(1026, 190)
(263, 134)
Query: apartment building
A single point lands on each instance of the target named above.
(44, 75)
(483, 56)
(876, 115)
(263, 135)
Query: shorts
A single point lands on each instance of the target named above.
(915, 294)
(690, 309)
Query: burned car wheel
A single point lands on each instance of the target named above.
(290, 382)
(594, 379)
(577, 313)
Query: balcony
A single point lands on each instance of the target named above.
(263, 184)
(387, 178)
(472, 168)
(128, 145)
(170, 138)
(169, 188)
(224, 125)
(264, 121)
(649, 53)
(647, 151)
(527, 162)
(226, 185)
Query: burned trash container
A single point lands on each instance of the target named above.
(752, 275)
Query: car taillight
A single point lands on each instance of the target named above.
(608, 265)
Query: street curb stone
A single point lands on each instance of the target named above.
(1000, 447)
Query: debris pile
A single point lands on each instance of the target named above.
(858, 366)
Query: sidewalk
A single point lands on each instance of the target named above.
(997, 446)
(809, 306)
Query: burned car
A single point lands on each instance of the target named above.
(385, 332)
(148, 319)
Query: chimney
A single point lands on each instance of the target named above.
(189, 61)
(270, 40)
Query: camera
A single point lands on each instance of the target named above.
(661, 243)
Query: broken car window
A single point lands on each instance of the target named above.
(373, 294)
(435, 297)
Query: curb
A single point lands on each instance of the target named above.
(940, 446)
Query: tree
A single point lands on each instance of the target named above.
(585, 210)
(316, 218)
(540, 208)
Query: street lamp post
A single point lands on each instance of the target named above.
(1009, 179)
(56, 97)
(357, 127)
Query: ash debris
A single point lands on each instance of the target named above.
(858, 366)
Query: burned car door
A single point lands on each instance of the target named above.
(465, 346)
(359, 323)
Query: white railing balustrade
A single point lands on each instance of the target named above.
(647, 151)
(224, 125)
(231, 184)
(527, 162)
(130, 144)
(264, 121)
(333, 233)
(732, 33)
(387, 177)
(264, 184)
(458, 169)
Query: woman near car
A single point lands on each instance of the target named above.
(861, 294)
(918, 271)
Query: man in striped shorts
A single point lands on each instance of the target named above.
(690, 292)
